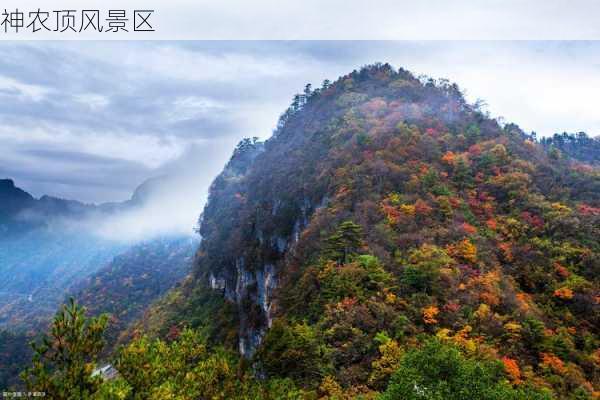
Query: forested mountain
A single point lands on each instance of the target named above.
(21, 212)
(386, 210)
(389, 241)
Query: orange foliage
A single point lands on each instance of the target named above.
(563, 293)
(551, 361)
(422, 208)
(492, 224)
(468, 228)
(449, 158)
(512, 369)
(506, 249)
(391, 213)
(524, 301)
(348, 302)
(489, 298)
(596, 357)
(429, 314)
(454, 201)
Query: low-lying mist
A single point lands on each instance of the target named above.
(169, 205)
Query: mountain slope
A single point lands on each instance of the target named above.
(134, 279)
(386, 209)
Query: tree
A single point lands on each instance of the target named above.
(184, 368)
(422, 270)
(344, 243)
(294, 351)
(440, 371)
(64, 360)
(308, 90)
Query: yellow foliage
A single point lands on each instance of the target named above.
(561, 208)
(390, 298)
(513, 327)
(443, 334)
(513, 330)
(461, 338)
(330, 389)
(388, 363)
(394, 198)
(483, 311)
(408, 209)
(464, 249)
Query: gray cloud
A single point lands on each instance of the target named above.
(91, 120)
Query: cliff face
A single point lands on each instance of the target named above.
(387, 205)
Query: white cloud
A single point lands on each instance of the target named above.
(189, 107)
(92, 100)
(23, 91)
(144, 108)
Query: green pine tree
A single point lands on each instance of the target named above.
(344, 243)
(64, 360)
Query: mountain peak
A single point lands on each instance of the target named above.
(6, 184)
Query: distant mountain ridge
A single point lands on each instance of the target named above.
(46, 247)
(20, 210)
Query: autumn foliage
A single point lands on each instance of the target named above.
(412, 239)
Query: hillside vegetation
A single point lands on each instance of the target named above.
(389, 241)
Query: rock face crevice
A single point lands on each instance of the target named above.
(252, 289)
(252, 292)
(252, 285)
(249, 258)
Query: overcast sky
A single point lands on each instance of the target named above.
(92, 120)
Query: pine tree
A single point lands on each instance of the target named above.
(64, 360)
(308, 90)
(344, 243)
